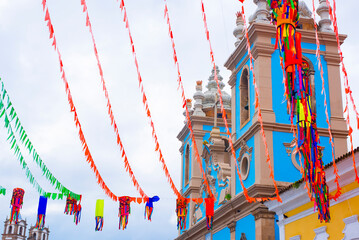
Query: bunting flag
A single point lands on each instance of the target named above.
(41, 213)
(298, 94)
(109, 106)
(184, 105)
(124, 211)
(2, 191)
(17, 152)
(257, 106)
(27, 144)
(99, 214)
(149, 206)
(16, 204)
(320, 67)
(209, 212)
(85, 148)
(181, 211)
(348, 91)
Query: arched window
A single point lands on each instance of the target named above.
(308, 74)
(244, 96)
(44, 236)
(9, 230)
(20, 231)
(186, 174)
(34, 236)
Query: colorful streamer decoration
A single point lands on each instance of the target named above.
(2, 191)
(181, 211)
(109, 106)
(41, 213)
(348, 91)
(298, 93)
(209, 212)
(149, 206)
(320, 66)
(26, 142)
(99, 214)
(124, 211)
(16, 204)
(73, 208)
(85, 147)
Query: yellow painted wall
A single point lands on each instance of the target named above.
(305, 226)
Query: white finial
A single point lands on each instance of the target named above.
(198, 97)
(262, 12)
(324, 22)
(238, 31)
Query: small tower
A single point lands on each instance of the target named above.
(212, 143)
(14, 231)
(37, 234)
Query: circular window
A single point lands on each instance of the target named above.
(244, 166)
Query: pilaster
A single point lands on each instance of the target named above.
(264, 222)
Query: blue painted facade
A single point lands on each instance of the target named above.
(247, 226)
(223, 234)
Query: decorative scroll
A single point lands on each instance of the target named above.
(348, 91)
(245, 191)
(81, 135)
(99, 214)
(16, 204)
(184, 105)
(41, 213)
(2, 191)
(26, 142)
(109, 106)
(320, 66)
(149, 206)
(124, 211)
(298, 94)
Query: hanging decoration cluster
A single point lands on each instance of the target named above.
(124, 211)
(73, 208)
(257, 106)
(320, 67)
(2, 191)
(41, 213)
(209, 212)
(16, 204)
(298, 93)
(149, 206)
(181, 211)
(99, 214)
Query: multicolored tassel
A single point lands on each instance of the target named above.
(181, 211)
(71, 206)
(41, 213)
(124, 211)
(209, 212)
(99, 214)
(149, 206)
(16, 204)
(298, 93)
(77, 215)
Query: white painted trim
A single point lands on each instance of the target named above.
(351, 229)
(321, 233)
(295, 238)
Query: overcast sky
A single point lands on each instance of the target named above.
(30, 70)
